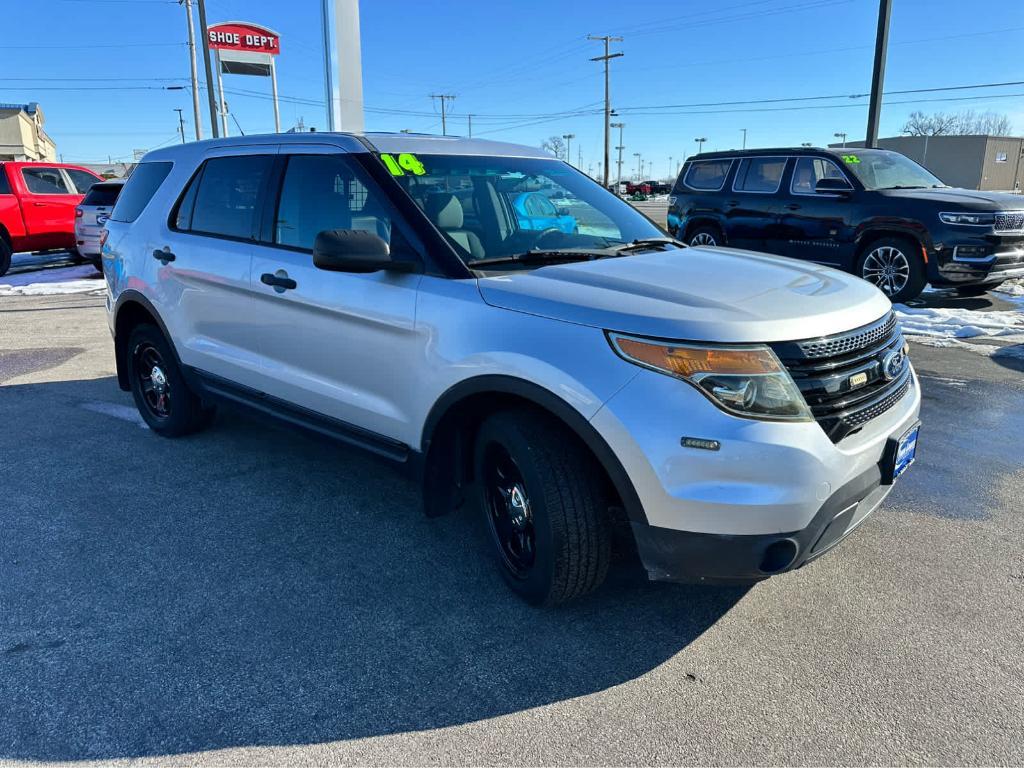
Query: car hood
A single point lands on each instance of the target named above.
(970, 199)
(696, 294)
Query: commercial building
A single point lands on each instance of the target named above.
(21, 134)
(971, 162)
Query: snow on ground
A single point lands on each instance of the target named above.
(82, 278)
(1012, 288)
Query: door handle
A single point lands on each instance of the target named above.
(39, 205)
(792, 207)
(283, 282)
(164, 256)
(733, 203)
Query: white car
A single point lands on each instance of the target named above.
(742, 413)
(91, 216)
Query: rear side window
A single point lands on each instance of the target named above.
(45, 181)
(707, 175)
(226, 200)
(5, 185)
(102, 195)
(759, 174)
(139, 190)
(83, 181)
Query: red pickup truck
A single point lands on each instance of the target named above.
(37, 206)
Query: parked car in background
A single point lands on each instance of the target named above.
(37, 206)
(872, 212)
(90, 217)
(658, 187)
(536, 211)
(560, 385)
(637, 188)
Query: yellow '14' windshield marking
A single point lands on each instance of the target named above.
(406, 161)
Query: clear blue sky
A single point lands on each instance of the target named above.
(96, 65)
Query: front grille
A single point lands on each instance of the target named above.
(1010, 221)
(841, 376)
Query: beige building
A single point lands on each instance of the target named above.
(971, 162)
(21, 134)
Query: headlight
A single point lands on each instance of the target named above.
(743, 380)
(977, 219)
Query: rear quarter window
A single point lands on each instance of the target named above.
(139, 190)
(707, 175)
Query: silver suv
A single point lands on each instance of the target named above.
(527, 343)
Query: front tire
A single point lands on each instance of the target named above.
(894, 266)
(5, 257)
(161, 394)
(540, 494)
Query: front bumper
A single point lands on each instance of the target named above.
(979, 259)
(771, 498)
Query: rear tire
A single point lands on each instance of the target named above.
(540, 494)
(161, 394)
(894, 266)
(5, 257)
(707, 236)
(968, 291)
(76, 256)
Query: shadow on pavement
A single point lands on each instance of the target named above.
(250, 586)
(1010, 356)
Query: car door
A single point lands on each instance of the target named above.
(335, 342)
(203, 261)
(816, 226)
(753, 209)
(48, 207)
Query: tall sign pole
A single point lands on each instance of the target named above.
(343, 65)
(195, 75)
(608, 39)
(209, 70)
(878, 73)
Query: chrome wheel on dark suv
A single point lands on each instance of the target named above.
(895, 266)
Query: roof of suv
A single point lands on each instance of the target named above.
(374, 142)
(762, 152)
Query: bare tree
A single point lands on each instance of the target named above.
(967, 122)
(555, 145)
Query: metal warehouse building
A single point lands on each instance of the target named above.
(972, 162)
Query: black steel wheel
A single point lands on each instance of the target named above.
(543, 496)
(161, 394)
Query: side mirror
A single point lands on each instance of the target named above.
(832, 186)
(353, 250)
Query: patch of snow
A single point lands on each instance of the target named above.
(50, 282)
(122, 412)
(1012, 288)
(53, 289)
(921, 323)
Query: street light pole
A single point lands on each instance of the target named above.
(841, 135)
(568, 146)
(620, 147)
(700, 144)
(181, 124)
(878, 72)
(637, 156)
(744, 137)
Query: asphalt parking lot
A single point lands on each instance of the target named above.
(254, 595)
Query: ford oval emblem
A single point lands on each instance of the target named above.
(892, 364)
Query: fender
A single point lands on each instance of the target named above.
(875, 227)
(498, 384)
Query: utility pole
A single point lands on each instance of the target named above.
(878, 73)
(579, 157)
(620, 126)
(637, 156)
(181, 124)
(608, 40)
(195, 75)
(670, 158)
(744, 137)
(201, 4)
(568, 146)
(700, 144)
(444, 97)
(841, 135)
(469, 118)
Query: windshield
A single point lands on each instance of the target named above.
(496, 207)
(889, 170)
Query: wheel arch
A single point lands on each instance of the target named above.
(131, 310)
(450, 428)
(702, 220)
(873, 233)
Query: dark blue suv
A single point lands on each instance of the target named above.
(872, 212)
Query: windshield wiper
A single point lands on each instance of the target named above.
(543, 257)
(908, 186)
(646, 242)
